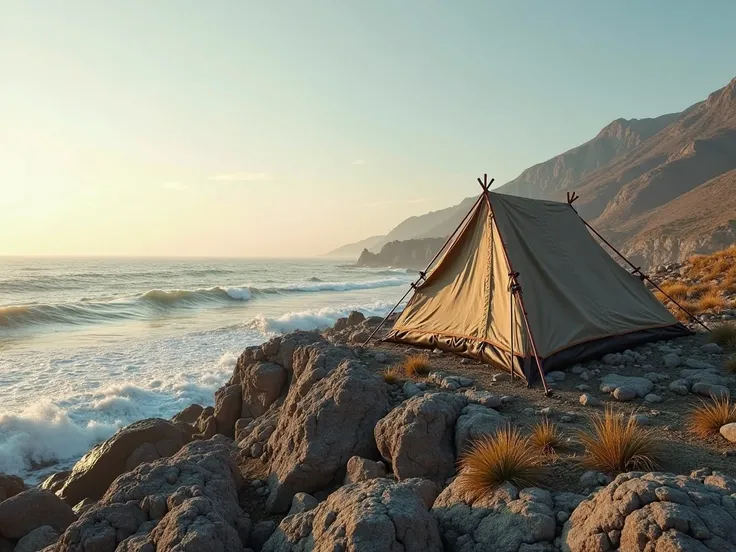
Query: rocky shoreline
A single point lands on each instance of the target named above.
(311, 447)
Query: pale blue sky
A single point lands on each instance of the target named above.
(288, 128)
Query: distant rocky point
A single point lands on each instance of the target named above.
(414, 254)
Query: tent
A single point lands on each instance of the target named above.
(524, 286)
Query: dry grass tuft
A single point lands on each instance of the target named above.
(708, 417)
(724, 334)
(546, 437)
(677, 290)
(711, 301)
(730, 365)
(392, 375)
(617, 444)
(417, 365)
(491, 461)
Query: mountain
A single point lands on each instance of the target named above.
(661, 189)
(352, 250)
(403, 254)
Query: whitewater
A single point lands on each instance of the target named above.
(90, 345)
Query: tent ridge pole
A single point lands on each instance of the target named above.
(637, 269)
(423, 274)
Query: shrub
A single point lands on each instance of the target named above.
(392, 375)
(708, 417)
(546, 437)
(617, 444)
(711, 300)
(724, 334)
(677, 290)
(506, 456)
(417, 365)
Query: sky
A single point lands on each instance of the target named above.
(288, 128)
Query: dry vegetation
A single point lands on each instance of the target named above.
(504, 457)
(546, 437)
(724, 334)
(417, 366)
(708, 417)
(392, 375)
(617, 443)
(730, 365)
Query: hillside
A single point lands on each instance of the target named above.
(352, 250)
(661, 189)
(403, 254)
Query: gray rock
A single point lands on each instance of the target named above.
(476, 421)
(639, 386)
(680, 387)
(31, 509)
(261, 532)
(417, 437)
(411, 389)
(652, 398)
(624, 393)
(556, 376)
(656, 377)
(261, 384)
(729, 432)
(483, 398)
(381, 357)
(591, 480)
(710, 390)
(711, 348)
(641, 419)
(586, 399)
(613, 359)
(698, 364)
(583, 387)
(671, 360)
(361, 469)
(38, 539)
(577, 369)
(302, 502)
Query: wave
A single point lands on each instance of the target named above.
(332, 286)
(178, 296)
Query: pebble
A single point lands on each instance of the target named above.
(381, 357)
(583, 387)
(671, 360)
(624, 394)
(586, 399)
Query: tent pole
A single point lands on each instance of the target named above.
(511, 308)
(423, 274)
(637, 270)
(513, 276)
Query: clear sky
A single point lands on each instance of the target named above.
(287, 128)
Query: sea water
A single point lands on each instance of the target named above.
(90, 345)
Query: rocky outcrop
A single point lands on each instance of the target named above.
(31, 509)
(186, 502)
(476, 421)
(506, 520)
(417, 437)
(361, 469)
(142, 441)
(329, 414)
(656, 511)
(256, 434)
(261, 384)
(373, 516)
(414, 254)
(10, 485)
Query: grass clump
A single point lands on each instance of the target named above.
(506, 456)
(392, 375)
(711, 300)
(618, 444)
(724, 334)
(709, 416)
(730, 365)
(546, 437)
(417, 365)
(677, 290)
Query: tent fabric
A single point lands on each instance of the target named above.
(577, 298)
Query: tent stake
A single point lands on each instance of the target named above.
(637, 270)
(423, 274)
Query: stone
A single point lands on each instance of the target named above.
(641, 419)
(612, 359)
(228, 408)
(711, 348)
(189, 415)
(592, 479)
(31, 509)
(655, 511)
(261, 532)
(188, 501)
(55, 481)
(583, 387)
(729, 432)
(259, 431)
(302, 502)
(653, 398)
(360, 337)
(241, 428)
(371, 516)
(671, 360)
(355, 318)
(698, 364)
(361, 469)
(505, 520)
(411, 389)
(38, 539)
(483, 398)
(381, 357)
(261, 385)
(680, 387)
(256, 450)
(555, 376)
(328, 416)
(639, 386)
(93, 473)
(709, 390)
(656, 377)
(501, 377)
(476, 421)
(624, 393)
(416, 438)
(10, 485)
(577, 369)
(586, 399)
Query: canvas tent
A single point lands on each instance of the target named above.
(524, 286)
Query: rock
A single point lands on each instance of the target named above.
(671, 360)
(381, 357)
(729, 432)
(189, 415)
(483, 398)
(38, 539)
(709, 390)
(261, 532)
(92, 475)
(417, 437)
(185, 502)
(612, 359)
(10, 485)
(556, 376)
(328, 416)
(698, 364)
(583, 387)
(641, 419)
(259, 431)
(591, 480)
(680, 387)
(475, 421)
(360, 337)
(256, 450)
(31, 509)
(362, 469)
(411, 389)
(83, 505)
(711, 348)
(55, 481)
(655, 511)
(635, 385)
(656, 377)
(302, 502)
(501, 377)
(261, 384)
(577, 369)
(372, 516)
(652, 398)
(624, 393)
(586, 399)
(709, 375)
(505, 520)
(207, 426)
(241, 428)
(355, 318)
(228, 407)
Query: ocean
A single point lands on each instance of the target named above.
(90, 345)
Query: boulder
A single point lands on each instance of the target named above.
(241, 428)
(38, 539)
(711, 348)
(228, 406)
(279, 350)
(698, 364)
(729, 432)
(680, 387)
(261, 384)
(656, 511)
(372, 516)
(259, 431)
(189, 415)
(362, 469)
(505, 520)
(138, 442)
(302, 502)
(31, 509)
(10, 485)
(261, 532)
(328, 416)
(671, 360)
(55, 481)
(484, 398)
(634, 386)
(586, 399)
(186, 502)
(355, 318)
(476, 421)
(417, 437)
(710, 390)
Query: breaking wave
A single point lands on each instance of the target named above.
(315, 319)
